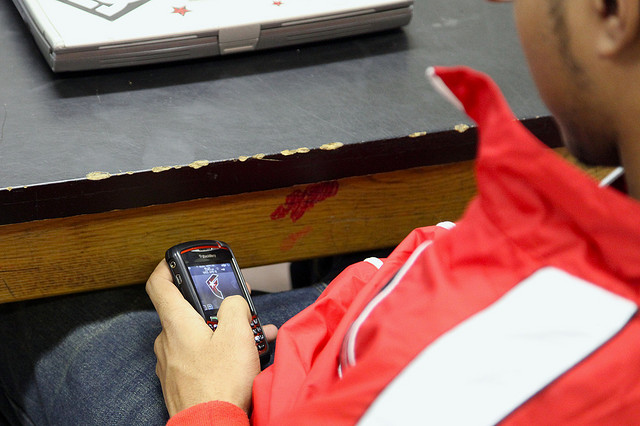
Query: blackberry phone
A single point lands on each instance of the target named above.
(206, 272)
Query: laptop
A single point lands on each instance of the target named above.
(78, 35)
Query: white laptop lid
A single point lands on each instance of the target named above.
(79, 34)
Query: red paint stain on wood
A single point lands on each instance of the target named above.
(290, 242)
(300, 201)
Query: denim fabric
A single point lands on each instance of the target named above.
(277, 308)
(88, 359)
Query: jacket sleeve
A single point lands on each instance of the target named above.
(214, 413)
(309, 344)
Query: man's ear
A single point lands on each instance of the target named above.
(619, 25)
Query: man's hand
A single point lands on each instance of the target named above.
(194, 364)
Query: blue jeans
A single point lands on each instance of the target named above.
(88, 358)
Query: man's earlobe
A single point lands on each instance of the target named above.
(619, 25)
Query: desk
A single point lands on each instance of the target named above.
(285, 154)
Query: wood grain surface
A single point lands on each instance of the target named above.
(89, 252)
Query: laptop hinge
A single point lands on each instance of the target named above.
(238, 39)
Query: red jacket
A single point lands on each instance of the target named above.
(525, 312)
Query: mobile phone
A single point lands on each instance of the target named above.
(206, 272)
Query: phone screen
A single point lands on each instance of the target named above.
(213, 283)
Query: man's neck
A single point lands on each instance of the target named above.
(630, 155)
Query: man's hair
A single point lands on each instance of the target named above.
(559, 25)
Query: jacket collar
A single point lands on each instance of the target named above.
(537, 199)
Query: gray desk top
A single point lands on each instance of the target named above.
(368, 93)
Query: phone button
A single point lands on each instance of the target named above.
(178, 280)
(212, 325)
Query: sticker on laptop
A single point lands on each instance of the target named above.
(107, 9)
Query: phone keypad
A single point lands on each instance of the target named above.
(213, 323)
(258, 334)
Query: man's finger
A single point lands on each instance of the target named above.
(164, 295)
(270, 332)
(234, 309)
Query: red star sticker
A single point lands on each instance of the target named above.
(277, 3)
(181, 10)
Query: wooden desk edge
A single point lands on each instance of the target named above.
(89, 252)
